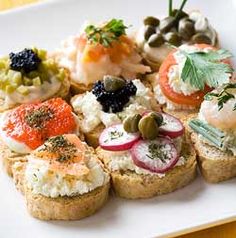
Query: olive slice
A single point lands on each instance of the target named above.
(173, 38)
(153, 21)
(156, 40)
(167, 23)
(149, 30)
(201, 38)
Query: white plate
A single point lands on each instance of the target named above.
(196, 206)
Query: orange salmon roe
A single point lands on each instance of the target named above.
(57, 120)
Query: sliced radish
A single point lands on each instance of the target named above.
(157, 155)
(172, 126)
(115, 138)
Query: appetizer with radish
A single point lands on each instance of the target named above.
(147, 155)
(26, 127)
(187, 74)
(155, 36)
(110, 101)
(97, 51)
(214, 134)
(62, 180)
(29, 76)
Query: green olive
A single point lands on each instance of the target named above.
(149, 30)
(186, 29)
(157, 116)
(131, 123)
(167, 23)
(153, 21)
(181, 15)
(173, 38)
(112, 83)
(148, 127)
(156, 40)
(201, 38)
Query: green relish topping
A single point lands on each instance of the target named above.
(16, 78)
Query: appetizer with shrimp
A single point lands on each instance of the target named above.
(187, 74)
(109, 102)
(147, 155)
(214, 134)
(62, 180)
(29, 76)
(155, 36)
(97, 51)
(26, 127)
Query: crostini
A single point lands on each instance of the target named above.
(214, 134)
(187, 74)
(97, 51)
(155, 36)
(26, 127)
(29, 76)
(62, 180)
(147, 155)
(109, 102)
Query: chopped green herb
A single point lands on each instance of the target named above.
(107, 33)
(116, 134)
(38, 117)
(223, 96)
(203, 68)
(156, 152)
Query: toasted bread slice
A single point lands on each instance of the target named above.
(60, 208)
(128, 184)
(215, 165)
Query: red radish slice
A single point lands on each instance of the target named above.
(115, 138)
(158, 156)
(172, 126)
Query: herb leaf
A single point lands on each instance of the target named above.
(107, 33)
(202, 68)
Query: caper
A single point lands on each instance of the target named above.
(167, 23)
(153, 21)
(201, 38)
(149, 30)
(182, 14)
(173, 38)
(148, 127)
(131, 123)
(156, 40)
(157, 116)
(186, 29)
(112, 83)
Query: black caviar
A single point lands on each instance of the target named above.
(26, 60)
(114, 101)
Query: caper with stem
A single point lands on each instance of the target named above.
(201, 38)
(149, 30)
(186, 28)
(130, 123)
(156, 40)
(167, 23)
(157, 116)
(153, 21)
(173, 38)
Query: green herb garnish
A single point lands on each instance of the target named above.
(37, 118)
(61, 146)
(156, 152)
(107, 33)
(116, 134)
(212, 134)
(223, 96)
(203, 68)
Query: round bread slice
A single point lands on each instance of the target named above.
(130, 185)
(60, 208)
(215, 165)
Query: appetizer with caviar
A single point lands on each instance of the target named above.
(62, 180)
(110, 102)
(147, 155)
(187, 74)
(97, 51)
(214, 134)
(29, 76)
(26, 127)
(155, 36)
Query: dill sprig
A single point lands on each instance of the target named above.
(107, 33)
(223, 96)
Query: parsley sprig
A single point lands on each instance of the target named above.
(223, 96)
(201, 68)
(107, 33)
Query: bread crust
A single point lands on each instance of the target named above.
(128, 184)
(215, 165)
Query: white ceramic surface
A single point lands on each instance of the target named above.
(197, 205)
